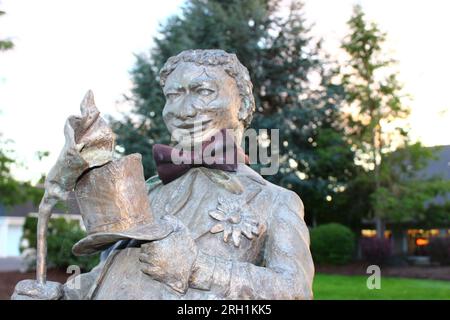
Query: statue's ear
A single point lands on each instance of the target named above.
(244, 110)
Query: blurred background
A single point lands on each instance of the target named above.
(358, 90)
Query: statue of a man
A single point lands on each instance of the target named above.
(236, 235)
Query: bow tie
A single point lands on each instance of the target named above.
(220, 152)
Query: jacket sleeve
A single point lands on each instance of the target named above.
(288, 270)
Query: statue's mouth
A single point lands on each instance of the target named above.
(193, 126)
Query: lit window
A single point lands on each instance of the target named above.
(420, 242)
(368, 233)
(434, 232)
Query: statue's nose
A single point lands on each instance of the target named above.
(186, 109)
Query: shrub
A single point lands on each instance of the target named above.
(332, 243)
(62, 235)
(439, 250)
(375, 250)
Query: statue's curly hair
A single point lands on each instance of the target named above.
(230, 64)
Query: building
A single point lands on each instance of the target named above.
(11, 222)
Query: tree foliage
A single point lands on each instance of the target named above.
(332, 243)
(404, 194)
(375, 120)
(12, 191)
(374, 95)
(62, 234)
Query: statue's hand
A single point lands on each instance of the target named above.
(32, 290)
(89, 142)
(170, 260)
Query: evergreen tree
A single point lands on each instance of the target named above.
(376, 114)
(282, 58)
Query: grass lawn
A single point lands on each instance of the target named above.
(327, 286)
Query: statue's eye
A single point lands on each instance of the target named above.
(172, 95)
(204, 92)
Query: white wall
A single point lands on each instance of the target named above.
(10, 234)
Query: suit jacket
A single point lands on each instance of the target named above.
(252, 239)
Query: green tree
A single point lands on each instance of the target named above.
(292, 88)
(376, 126)
(405, 193)
(62, 234)
(12, 191)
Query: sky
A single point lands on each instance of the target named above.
(64, 48)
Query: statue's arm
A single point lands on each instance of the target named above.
(288, 270)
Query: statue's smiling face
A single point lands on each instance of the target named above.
(200, 101)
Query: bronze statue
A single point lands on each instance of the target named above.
(202, 231)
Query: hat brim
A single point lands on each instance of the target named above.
(100, 241)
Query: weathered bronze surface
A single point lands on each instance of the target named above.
(219, 235)
(114, 205)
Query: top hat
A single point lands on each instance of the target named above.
(114, 205)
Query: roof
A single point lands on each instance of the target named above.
(439, 167)
(22, 210)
